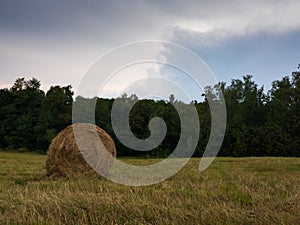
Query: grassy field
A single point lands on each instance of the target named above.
(231, 191)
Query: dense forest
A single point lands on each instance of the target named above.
(259, 122)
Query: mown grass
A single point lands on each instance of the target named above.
(231, 191)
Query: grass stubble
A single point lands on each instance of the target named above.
(230, 191)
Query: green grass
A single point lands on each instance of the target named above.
(230, 191)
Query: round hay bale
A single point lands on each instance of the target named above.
(65, 159)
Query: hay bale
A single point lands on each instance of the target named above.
(65, 159)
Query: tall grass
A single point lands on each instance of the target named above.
(231, 191)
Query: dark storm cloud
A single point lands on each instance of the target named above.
(34, 15)
(87, 20)
(118, 19)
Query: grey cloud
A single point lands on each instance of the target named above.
(53, 36)
(85, 20)
(122, 21)
(195, 39)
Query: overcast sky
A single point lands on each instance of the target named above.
(56, 41)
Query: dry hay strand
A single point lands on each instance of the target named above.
(65, 159)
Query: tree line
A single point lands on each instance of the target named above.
(259, 123)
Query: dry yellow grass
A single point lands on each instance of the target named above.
(231, 191)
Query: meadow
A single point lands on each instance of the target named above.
(231, 191)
